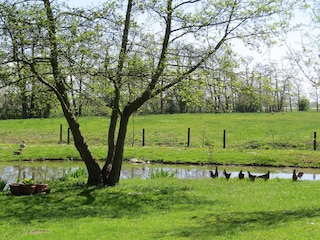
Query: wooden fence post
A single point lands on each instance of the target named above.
(224, 138)
(132, 129)
(143, 135)
(68, 136)
(60, 133)
(188, 144)
(315, 141)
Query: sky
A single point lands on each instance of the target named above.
(274, 54)
(83, 3)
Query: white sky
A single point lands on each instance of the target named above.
(84, 3)
(276, 53)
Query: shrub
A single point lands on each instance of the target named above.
(303, 104)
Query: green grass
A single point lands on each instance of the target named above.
(252, 139)
(166, 208)
(163, 207)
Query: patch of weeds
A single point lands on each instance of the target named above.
(162, 174)
(73, 178)
(79, 173)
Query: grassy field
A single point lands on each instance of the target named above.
(251, 139)
(170, 208)
(166, 208)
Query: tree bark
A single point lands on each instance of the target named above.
(93, 168)
(114, 175)
(111, 147)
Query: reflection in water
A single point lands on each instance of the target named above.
(44, 171)
(40, 173)
(181, 172)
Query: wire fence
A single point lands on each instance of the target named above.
(223, 139)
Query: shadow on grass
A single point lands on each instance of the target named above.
(231, 224)
(80, 201)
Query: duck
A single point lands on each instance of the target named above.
(300, 174)
(23, 144)
(215, 174)
(241, 175)
(295, 176)
(265, 176)
(19, 152)
(252, 177)
(227, 175)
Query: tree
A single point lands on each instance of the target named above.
(20, 86)
(136, 60)
(43, 56)
(303, 104)
(232, 20)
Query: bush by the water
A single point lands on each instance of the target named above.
(3, 183)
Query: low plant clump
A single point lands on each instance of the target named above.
(3, 184)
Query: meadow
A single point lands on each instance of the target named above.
(251, 139)
(165, 207)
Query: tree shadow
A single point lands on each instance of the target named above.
(117, 202)
(221, 224)
(88, 194)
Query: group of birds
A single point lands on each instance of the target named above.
(252, 177)
(19, 151)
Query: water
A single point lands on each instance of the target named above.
(47, 170)
(182, 171)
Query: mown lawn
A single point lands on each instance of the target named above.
(170, 208)
(166, 208)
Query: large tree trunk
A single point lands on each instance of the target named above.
(111, 147)
(93, 168)
(112, 169)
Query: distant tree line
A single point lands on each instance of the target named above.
(219, 87)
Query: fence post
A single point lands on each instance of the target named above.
(132, 129)
(188, 144)
(224, 138)
(315, 141)
(68, 136)
(60, 133)
(143, 140)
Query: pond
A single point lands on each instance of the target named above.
(47, 170)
